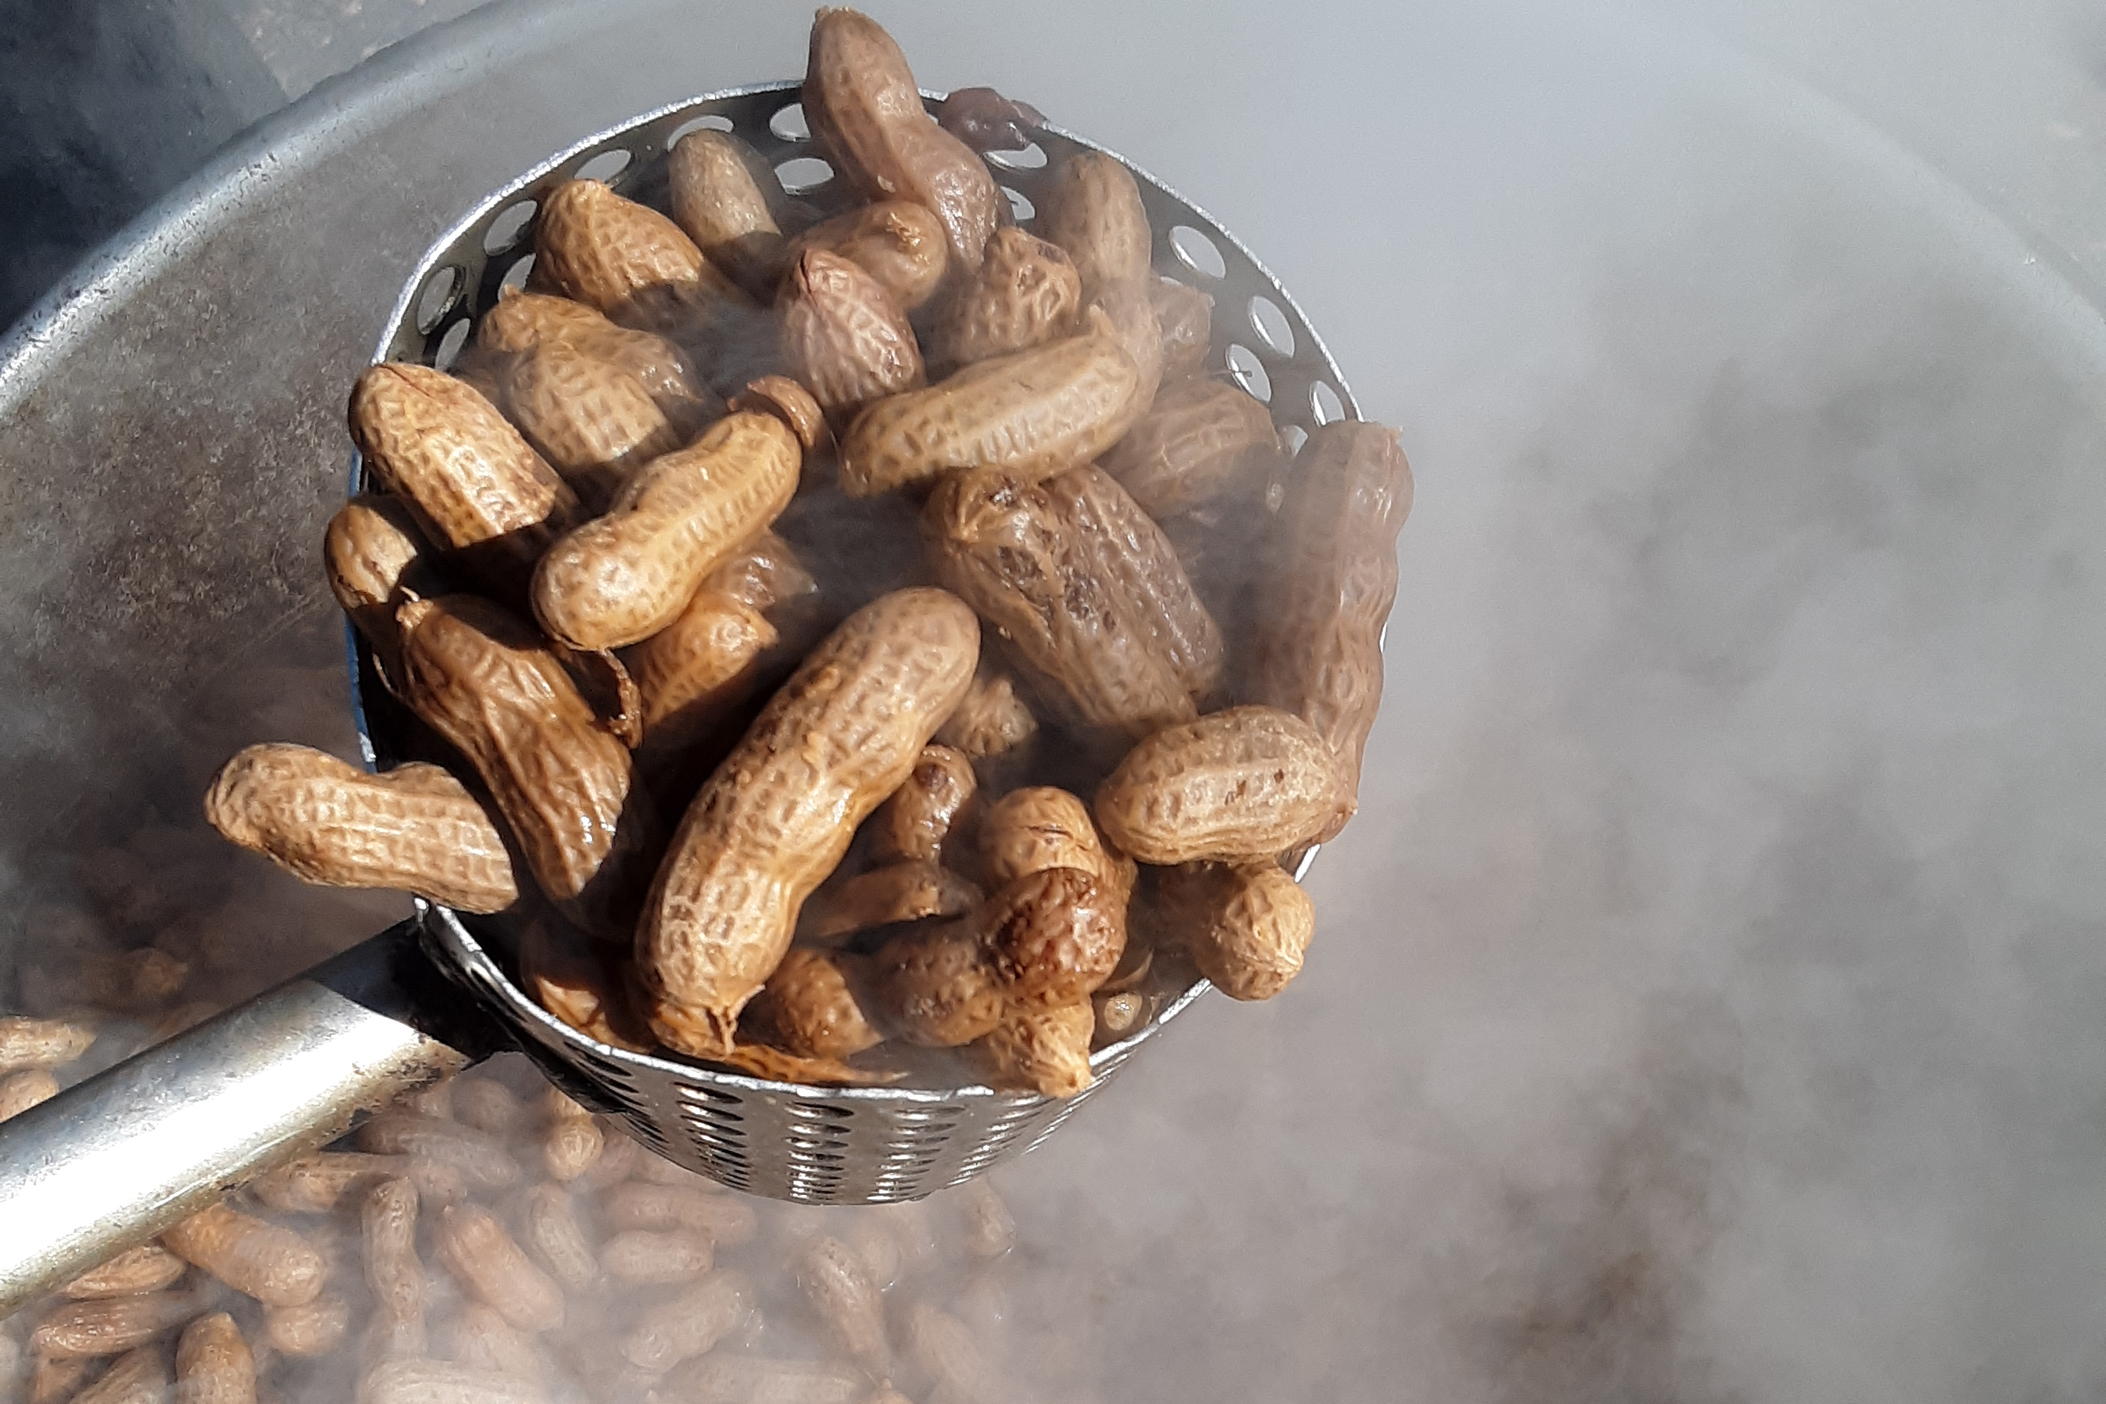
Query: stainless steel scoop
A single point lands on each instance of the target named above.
(158, 1136)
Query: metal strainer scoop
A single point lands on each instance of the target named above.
(158, 1136)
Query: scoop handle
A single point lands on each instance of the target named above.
(160, 1135)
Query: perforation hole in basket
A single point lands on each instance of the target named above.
(803, 174)
(817, 1159)
(1325, 404)
(1197, 251)
(1028, 157)
(819, 1111)
(449, 348)
(441, 291)
(695, 1091)
(1019, 204)
(516, 276)
(713, 121)
(1248, 370)
(789, 123)
(1292, 438)
(704, 1113)
(1274, 331)
(508, 226)
(605, 166)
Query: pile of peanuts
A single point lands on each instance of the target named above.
(831, 639)
(490, 1242)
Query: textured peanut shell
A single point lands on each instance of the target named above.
(897, 242)
(720, 1378)
(1053, 936)
(906, 890)
(487, 1105)
(593, 422)
(388, 1236)
(1184, 318)
(374, 555)
(1046, 1051)
(521, 321)
(935, 986)
(1136, 561)
(726, 199)
(109, 1325)
(1201, 439)
(1249, 782)
(213, 1363)
(793, 405)
(1127, 310)
(685, 1203)
(1246, 925)
(1092, 209)
(922, 813)
(476, 487)
(309, 1330)
(657, 1257)
(992, 722)
(843, 336)
(626, 575)
(839, 1290)
(1034, 414)
(490, 1265)
(137, 1377)
(675, 1328)
(146, 1268)
(777, 816)
(1025, 293)
(484, 680)
(41, 1043)
(318, 1183)
(576, 981)
(29, 1087)
(813, 1005)
(273, 1264)
(1009, 549)
(414, 828)
(571, 1141)
(478, 1335)
(416, 1380)
(481, 1161)
(627, 260)
(867, 118)
(1042, 826)
(1329, 581)
(549, 1218)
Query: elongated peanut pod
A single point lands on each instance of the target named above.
(19, 1091)
(393, 1270)
(556, 1238)
(1249, 782)
(1046, 1051)
(867, 118)
(1034, 413)
(897, 242)
(41, 1043)
(1201, 440)
(813, 1005)
(655, 1257)
(577, 980)
(720, 1378)
(1247, 925)
(146, 1268)
(475, 486)
(844, 337)
(728, 1219)
(490, 1266)
(728, 200)
(627, 260)
(484, 680)
(777, 816)
(273, 1264)
(110, 1325)
(313, 1329)
(1092, 208)
(375, 556)
(1025, 294)
(592, 420)
(521, 321)
(628, 574)
(137, 1377)
(415, 1380)
(838, 1287)
(1330, 580)
(482, 1161)
(213, 1363)
(572, 1139)
(326, 821)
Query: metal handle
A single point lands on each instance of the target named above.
(160, 1135)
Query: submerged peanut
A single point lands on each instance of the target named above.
(573, 1139)
(413, 1380)
(110, 1325)
(839, 1289)
(897, 242)
(777, 816)
(1247, 925)
(1026, 293)
(1046, 1051)
(314, 1328)
(556, 1238)
(843, 336)
(676, 1328)
(146, 1268)
(213, 1363)
(593, 421)
(627, 260)
(488, 1263)
(479, 1335)
(273, 1264)
(1249, 782)
(481, 1160)
(41, 1043)
(388, 1233)
(326, 821)
(628, 574)
(725, 198)
(654, 1257)
(718, 1378)
(19, 1091)
(726, 1218)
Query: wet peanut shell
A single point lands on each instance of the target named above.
(579, 981)
(728, 200)
(1246, 925)
(388, 1237)
(26, 1088)
(935, 986)
(553, 1234)
(924, 813)
(838, 1287)
(521, 321)
(675, 1328)
(1092, 209)
(271, 1263)
(416, 1380)
(1024, 294)
(813, 1005)
(41, 1043)
(992, 722)
(374, 555)
(906, 890)
(720, 1378)
(1043, 826)
(1046, 1051)
(897, 242)
(138, 1377)
(213, 1363)
(490, 1265)
(481, 1161)
(146, 1268)
(627, 260)
(592, 421)
(1052, 936)
(843, 336)
(1201, 439)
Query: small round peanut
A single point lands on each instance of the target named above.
(1053, 936)
(897, 242)
(843, 336)
(1247, 925)
(1046, 1051)
(267, 1261)
(813, 1005)
(1120, 1015)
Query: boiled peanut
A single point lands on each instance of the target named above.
(137, 1377)
(1009, 549)
(556, 1238)
(489, 1264)
(773, 1064)
(1130, 553)
(479, 1335)
(146, 1268)
(923, 812)
(575, 980)
(812, 1005)
(622, 1159)
(944, 1348)
(572, 1140)
(1184, 317)
(432, 1099)
(19, 1091)
(936, 986)
(867, 118)
(133, 981)
(271, 1263)
(213, 1363)
(1249, 782)
(1201, 439)
(1092, 208)
(990, 1229)
(1129, 314)
(897, 242)
(1024, 294)
(725, 198)
(41, 1043)
(418, 1381)
(992, 724)
(897, 892)
(776, 817)
(838, 1288)
(1053, 936)
(715, 654)
(1042, 826)
(843, 336)
(1046, 1051)
(986, 121)
(1246, 925)
(1330, 580)
(110, 1325)
(628, 574)
(1120, 1015)
(766, 574)
(326, 821)
(671, 1330)
(484, 680)
(481, 1160)
(657, 1256)
(1034, 413)
(374, 555)
(718, 1378)
(591, 420)
(306, 1331)
(487, 1105)
(474, 485)
(726, 1218)
(388, 1234)
(55, 1379)
(521, 321)
(876, 1246)
(627, 260)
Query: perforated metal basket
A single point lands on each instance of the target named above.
(810, 1144)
